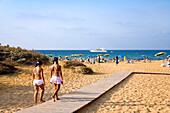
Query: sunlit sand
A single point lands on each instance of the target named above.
(16, 90)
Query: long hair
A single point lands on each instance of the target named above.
(39, 62)
(55, 60)
(116, 58)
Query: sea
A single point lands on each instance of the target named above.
(130, 54)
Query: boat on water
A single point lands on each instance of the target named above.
(98, 50)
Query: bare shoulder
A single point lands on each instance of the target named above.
(34, 69)
(51, 66)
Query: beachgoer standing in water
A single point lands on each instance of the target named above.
(56, 77)
(116, 60)
(38, 81)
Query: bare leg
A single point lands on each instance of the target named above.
(57, 87)
(42, 93)
(53, 96)
(36, 88)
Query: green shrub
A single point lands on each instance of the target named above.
(22, 60)
(86, 70)
(68, 64)
(11, 56)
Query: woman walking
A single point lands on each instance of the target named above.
(56, 78)
(38, 81)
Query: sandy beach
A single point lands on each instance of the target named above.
(139, 93)
(16, 90)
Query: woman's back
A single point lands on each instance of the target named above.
(56, 69)
(37, 72)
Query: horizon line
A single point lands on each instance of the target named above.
(105, 48)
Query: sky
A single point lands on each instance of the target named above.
(85, 24)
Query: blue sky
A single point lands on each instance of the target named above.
(85, 24)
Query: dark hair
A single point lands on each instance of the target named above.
(55, 60)
(39, 62)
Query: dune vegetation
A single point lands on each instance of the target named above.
(10, 57)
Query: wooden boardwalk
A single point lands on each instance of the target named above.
(73, 101)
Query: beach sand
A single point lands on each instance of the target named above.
(16, 90)
(139, 93)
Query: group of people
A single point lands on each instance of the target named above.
(55, 78)
(91, 60)
(164, 62)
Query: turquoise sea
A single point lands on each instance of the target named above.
(130, 54)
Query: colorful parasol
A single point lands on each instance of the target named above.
(50, 55)
(125, 58)
(143, 55)
(99, 55)
(160, 54)
(76, 55)
(106, 55)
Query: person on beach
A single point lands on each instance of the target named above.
(88, 59)
(38, 81)
(60, 58)
(95, 59)
(99, 59)
(117, 60)
(56, 77)
(75, 58)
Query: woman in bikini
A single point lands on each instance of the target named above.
(38, 81)
(56, 77)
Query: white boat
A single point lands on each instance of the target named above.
(98, 50)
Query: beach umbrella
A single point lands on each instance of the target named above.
(160, 54)
(107, 55)
(76, 55)
(99, 55)
(143, 55)
(81, 55)
(125, 58)
(73, 55)
(49, 55)
(120, 56)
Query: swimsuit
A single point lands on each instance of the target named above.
(117, 62)
(55, 79)
(38, 82)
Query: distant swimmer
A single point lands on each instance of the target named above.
(38, 81)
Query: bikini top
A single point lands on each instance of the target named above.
(36, 72)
